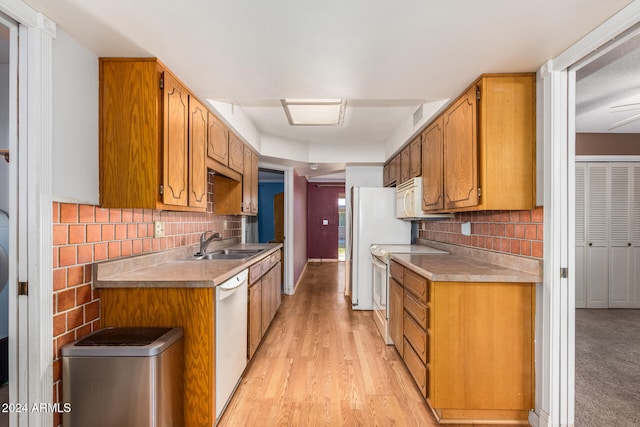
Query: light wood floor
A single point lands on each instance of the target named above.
(321, 363)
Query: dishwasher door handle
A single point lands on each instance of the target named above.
(230, 285)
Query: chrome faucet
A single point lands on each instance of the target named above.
(204, 241)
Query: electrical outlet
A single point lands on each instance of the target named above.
(158, 229)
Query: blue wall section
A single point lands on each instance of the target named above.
(266, 191)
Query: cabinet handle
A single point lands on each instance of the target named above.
(590, 244)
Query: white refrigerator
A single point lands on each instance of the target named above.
(372, 220)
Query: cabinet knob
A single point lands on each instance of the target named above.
(590, 244)
(629, 244)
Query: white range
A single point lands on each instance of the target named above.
(380, 274)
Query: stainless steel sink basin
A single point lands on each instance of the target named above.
(229, 254)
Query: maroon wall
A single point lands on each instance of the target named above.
(299, 225)
(322, 240)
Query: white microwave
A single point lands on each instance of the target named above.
(409, 201)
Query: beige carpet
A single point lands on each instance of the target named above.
(607, 368)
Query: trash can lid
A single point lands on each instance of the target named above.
(124, 342)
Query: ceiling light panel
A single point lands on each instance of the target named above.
(314, 112)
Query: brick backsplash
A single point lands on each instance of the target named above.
(84, 234)
(512, 232)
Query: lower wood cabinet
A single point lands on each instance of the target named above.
(265, 280)
(469, 346)
(193, 309)
(396, 296)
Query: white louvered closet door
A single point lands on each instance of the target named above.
(581, 286)
(620, 253)
(596, 237)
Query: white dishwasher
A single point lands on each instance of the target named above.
(231, 337)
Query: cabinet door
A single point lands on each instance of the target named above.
(415, 158)
(267, 302)
(247, 177)
(254, 329)
(432, 175)
(460, 129)
(254, 183)
(405, 164)
(218, 141)
(236, 153)
(620, 251)
(197, 162)
(385, 175)
(396, 294)
(175, 142)
(394, 170)
(277, 278)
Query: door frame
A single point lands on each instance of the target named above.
(31, 317)
(556, 376)
(288, 223)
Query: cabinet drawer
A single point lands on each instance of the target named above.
(274, 257)
(417, 310)
(416, 367)
(416, 336)
(265, 264)
(416, 284)
(255, 272)
(396, 271)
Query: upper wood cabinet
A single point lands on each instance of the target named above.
(231, 197)
(488, 148)
(411, 161)
(197, 154)
(147, 158)
(218, 141)
(405, 159)
(460, 124)
(250, 182)
(236, 153)
(432, 175)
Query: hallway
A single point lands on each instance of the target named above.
(321, 363)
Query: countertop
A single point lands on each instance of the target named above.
(471, 265)
(175, 268)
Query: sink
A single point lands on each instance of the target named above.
(228, 254)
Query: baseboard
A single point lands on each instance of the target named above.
(4, 360)
(539, 420)
(304, 269)
(323, 260)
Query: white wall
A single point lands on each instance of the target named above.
(273, 146)
(235, 117)
(405, 130)
(75, 121)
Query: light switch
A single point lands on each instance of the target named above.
(325, 222)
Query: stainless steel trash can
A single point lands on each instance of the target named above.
(124, 377)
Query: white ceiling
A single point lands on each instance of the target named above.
(384, 57)
(612, 80)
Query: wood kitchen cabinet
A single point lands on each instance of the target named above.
(151, 138)
(238, 197)
(432, 174)
(236, 153)
(250, 182)
(468, 346)
(488, 148)
(411, 160)
(193, 309)
(197, 154)
(396, 303)
(218, 141)
(264, 299)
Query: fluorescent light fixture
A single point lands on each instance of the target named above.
(314, 112)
